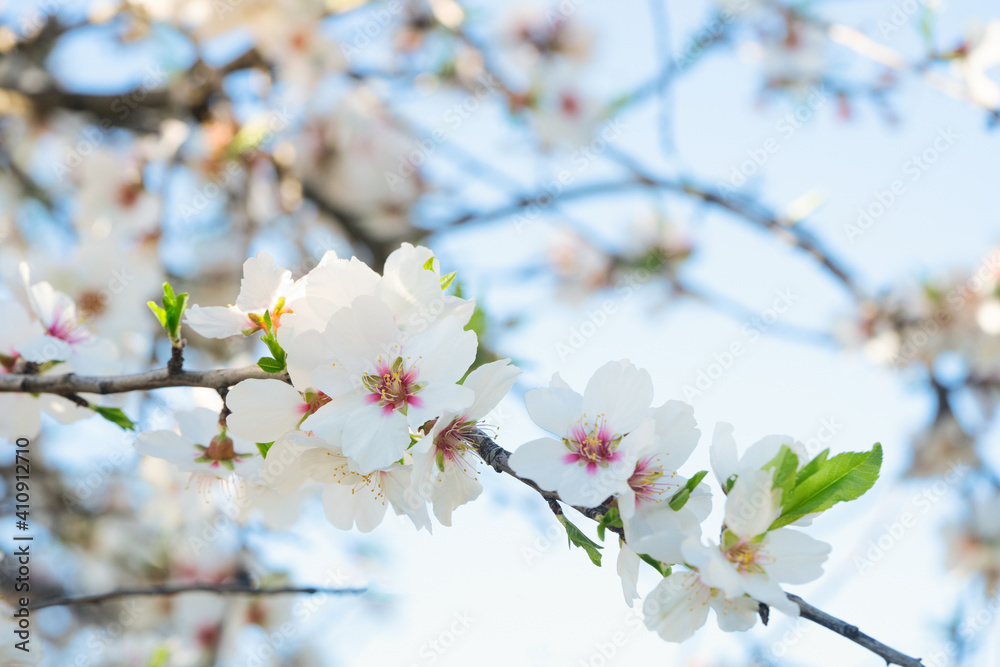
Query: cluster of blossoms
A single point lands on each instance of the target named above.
(612, 448)
(381, 406)
(381, 409)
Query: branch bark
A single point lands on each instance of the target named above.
(190, 588)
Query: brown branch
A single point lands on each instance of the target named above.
(66, 385)
(889, 654)
(189, 588)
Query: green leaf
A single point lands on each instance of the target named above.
(577, 537)
(785, 464)
(115, 416)
(610, 520)
(843, 478)
(171, 312)
(161, 314)
(429, 264)
(269, 365)
(264, 448)
(679, 499)
(662, 568)
(446, 280)
(810, 469)
(160, 657)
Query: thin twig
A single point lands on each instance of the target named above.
(189, 588)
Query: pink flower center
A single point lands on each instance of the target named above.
(394, 388)
(592, 445)
(649, 482)
(67, 327)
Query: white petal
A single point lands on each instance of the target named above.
(722, 453)
(199, 425)
(676, 431)
(677, 607)
(165, 445)
(753, 504)
(435, 399)
(541, 461)
(628, 571)
(217, 321)
(443, 353)
(797, 557)
(490, 382)
(263, 282)
(374, 439)
(555, 410)
(346, 505)
(735, 615)
(621, 392)
(764, 589)
(44, 348)
(263, 410)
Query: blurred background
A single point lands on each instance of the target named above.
(805, 182)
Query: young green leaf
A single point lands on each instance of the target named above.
(264, 448)
(577, 537)
(446, 280)
(679, 499)
(610, 520)
(662, 568)
(429, 264)
(845, 477)
(785, 464)
(269, 365)
(115, 416)
(809, 469)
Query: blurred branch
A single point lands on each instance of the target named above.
(71, 383)
(216, 589)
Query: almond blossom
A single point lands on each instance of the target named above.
(65, 336)
(382, 382)
(265, 287)
(748, 567)
(444, 463)
(350, 498)
(591, 460)
(201, 447)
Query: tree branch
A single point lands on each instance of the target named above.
(890, 655)
(189, 588)
(65, 385)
